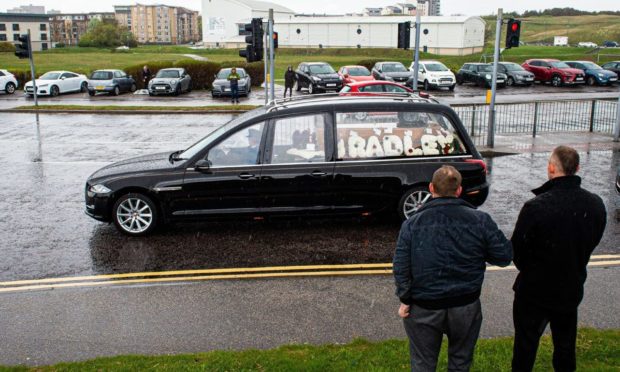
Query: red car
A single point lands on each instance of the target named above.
(553, 71)
(352, 74)
(375, 86)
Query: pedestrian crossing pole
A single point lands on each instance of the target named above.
(617, 125)
(266, 79)
(271, 66)
(498, 33)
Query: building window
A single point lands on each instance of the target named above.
(44, 46)
(2, 37)
(15, 37)
(15, 26)
(2, 27)
(43, 36)
(43, 27)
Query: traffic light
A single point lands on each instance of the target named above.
(22, 50)
(513, 33)
(253, 52)
(275, 40)
(404, 35)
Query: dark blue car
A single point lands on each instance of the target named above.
(595, 74)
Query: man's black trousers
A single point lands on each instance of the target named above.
(530, 321)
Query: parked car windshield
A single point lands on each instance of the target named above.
(485, 68)
(321, 69)
(435, 67)
(513, 67)
(101, 75)
(167, 74)
(394, 67)
(223, 74)
(559, 65)
(50, 76)
(359, 71)
(591, 66)
(198, 146)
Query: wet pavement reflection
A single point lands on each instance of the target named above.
(45, 232)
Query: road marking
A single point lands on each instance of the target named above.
(230, 274)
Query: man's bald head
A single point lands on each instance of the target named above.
(446, 182)
(564, 161)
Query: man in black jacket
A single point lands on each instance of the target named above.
(289, 81)
(439, 267)
(553, 239)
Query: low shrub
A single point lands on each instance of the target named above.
(369, 63)
(136, 71)
(202, 72)
(256, 70)
(22, 77)
(6, 46)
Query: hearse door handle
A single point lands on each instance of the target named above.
(246, 176)
(318, 174)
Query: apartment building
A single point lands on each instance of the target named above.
(159, 24)
(13, 25)
(69, 28)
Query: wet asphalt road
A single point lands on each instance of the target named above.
(45, 233)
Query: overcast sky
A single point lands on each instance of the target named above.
(448, 7)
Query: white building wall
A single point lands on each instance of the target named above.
(219, 23)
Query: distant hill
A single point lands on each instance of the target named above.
(595, 28)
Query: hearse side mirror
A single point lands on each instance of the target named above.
(202, 165)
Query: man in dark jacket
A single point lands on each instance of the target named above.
(439, 266)
(289, 81)
(146, 76)
(553, 239)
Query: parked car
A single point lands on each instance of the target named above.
(8, 83)
(113, 82)
(434, 75)
(353, 74)
(305, 157)
(170, 81)
(53, 83)
(553, 71)
(595, 74)
(587, 44)
(515, 74)
(610, 44)
(317, 76)
(391, 71)
(375, 86)
(613, 66)
(480, 74)
(221, 85)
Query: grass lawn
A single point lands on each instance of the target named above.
(139, 108)
(596, 351)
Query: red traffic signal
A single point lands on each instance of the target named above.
(513, 33)
(515, 27)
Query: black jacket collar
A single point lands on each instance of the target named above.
(446, 200)
(565, 182)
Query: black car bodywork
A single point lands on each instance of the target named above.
(315, 157)
(391, 71)
(317, 77)
(480, 74)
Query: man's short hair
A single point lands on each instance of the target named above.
(446, 181)
(567, 159)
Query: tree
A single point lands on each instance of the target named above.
(107, 35)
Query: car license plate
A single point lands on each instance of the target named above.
(613, 79)
(226, 90)
(579, 78)
(529, 79)
(100, 87)
(500, 81)
(160, 88)
(330, 85)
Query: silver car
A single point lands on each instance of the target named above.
(221, 85)
(170, 81)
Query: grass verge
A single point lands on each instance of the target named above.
(138, 108)
(597, 350)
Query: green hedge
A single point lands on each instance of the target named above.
(202, 72)
(6, 46)
(136, 70)
(369, 63)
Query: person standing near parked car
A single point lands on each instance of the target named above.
(439, 267)
(234, 78)
(146, 76)
(289, 81)
(553, 239)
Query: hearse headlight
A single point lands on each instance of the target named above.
(99, 189)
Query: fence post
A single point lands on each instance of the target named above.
(617, 124)
(535, 119)
(592, 113)
(473, 121)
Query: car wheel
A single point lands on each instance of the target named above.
(212, 94)
(311, 89)
(9, 88)
(135, 214)
(151, 94)
(591, 80)
(451, 87)
(510, 82)
(83, 87)
(91, 93)
(133, 88)
(177, 91)
(412, 200)
(426, 85)
(116, 91)
(54, 91)
(556, 81)
(459, 81)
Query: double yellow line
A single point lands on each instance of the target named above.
(230, 274)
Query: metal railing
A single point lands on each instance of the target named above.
(539, 117)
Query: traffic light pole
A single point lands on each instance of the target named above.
(498, 33)
(271, 65)
(416, 54)
(34, 82)
(265, 65)
(617, 125)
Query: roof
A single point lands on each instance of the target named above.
(386, 20)
(264, 6)
(24, 17)
(336, 100)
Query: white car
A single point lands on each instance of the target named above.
(53, 83)
(587, 44)
(8, 83)
(434, 75)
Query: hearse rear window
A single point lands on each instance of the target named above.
(362, 135)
